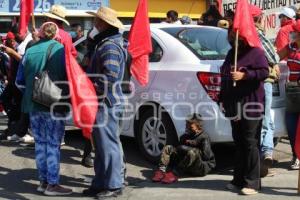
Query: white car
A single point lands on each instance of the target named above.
(184, 79)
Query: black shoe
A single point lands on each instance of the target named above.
(87, 162)
(3, 136)
(109, 194)
(91, 192)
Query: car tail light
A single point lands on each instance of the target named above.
(211, 83)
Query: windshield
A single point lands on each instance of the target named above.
(206, 43)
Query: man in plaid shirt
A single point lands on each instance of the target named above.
(267, 133)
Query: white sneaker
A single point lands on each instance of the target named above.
(63, 141)
(295, 164)
(248, 191)
(13, 138)
(3, 113)
(27, 139)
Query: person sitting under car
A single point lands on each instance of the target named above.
(193, 156)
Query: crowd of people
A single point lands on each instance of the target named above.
(23, 57)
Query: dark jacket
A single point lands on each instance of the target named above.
(205, 161)
(248, 92)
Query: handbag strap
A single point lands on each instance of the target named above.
(48, 55)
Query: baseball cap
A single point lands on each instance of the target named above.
(10, 36)
(288, 12)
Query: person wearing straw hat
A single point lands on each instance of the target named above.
(108, 63)
(57, 14)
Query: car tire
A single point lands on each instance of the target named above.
(154, 133)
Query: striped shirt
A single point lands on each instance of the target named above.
(108, 64)
(269, 49)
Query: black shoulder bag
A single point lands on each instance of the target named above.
(292, 91)
(45, 91)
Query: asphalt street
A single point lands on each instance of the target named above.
(18, 175)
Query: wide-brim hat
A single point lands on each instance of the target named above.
(58, 12)
(108, 15)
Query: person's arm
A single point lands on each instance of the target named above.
(20, 78)
(11, 52)
(257, 71)
(205, 147)
(282, 40)
(183, 139)
(107, 67)
(224, 77)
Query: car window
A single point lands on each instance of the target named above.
(206, 43)
(157, 51)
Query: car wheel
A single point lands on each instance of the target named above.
(154, 133)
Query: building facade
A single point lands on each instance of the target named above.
(10, 9)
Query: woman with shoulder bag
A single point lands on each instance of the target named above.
(46, 55)
(292, 53)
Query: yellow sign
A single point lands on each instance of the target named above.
(159, 8)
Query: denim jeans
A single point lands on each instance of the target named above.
(291, 125)
(48, 134)
(108, 153)
(267, 132)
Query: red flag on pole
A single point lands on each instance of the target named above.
(26, 9)
(297, 141)
(83, 95)
(220, 6)
(243, 22)
(140, 45)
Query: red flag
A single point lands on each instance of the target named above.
(220, 6)
(140, 45)
(243, 21)
(297, 141)
(83, 95)
(26, 9)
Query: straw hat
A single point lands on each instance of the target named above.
(57, 12)
(109, 16)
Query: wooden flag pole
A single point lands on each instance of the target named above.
(33, 20)
(235, 53)
(299, 183)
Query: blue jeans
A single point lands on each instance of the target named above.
(108, 153)
(291, 125)
(267, 132)
(47, 134)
